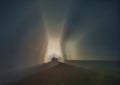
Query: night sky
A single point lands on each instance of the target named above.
(89, 30)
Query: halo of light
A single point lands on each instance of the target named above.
(54, 48)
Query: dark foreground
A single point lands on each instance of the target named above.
(64, 74)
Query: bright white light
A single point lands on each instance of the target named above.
(53, 48)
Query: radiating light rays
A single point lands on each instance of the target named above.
(74, 46)
(54, 17)
(77, 40)
(53, 50)
(70, 50)
(54, 39)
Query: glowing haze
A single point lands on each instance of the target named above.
(54, 22)
(32, 31)
(54, 49)
(77, 25)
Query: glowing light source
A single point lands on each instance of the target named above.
(54, 22)
(54, 50)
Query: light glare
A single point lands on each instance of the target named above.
(54, 48)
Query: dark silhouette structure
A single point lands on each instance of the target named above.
(54, 59)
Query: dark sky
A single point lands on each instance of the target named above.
(93, 24)
(21, 33)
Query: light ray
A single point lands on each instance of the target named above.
(54, 22)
